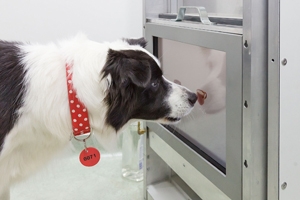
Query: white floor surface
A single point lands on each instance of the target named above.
(66, 179)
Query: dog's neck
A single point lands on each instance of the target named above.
(79, 113)
(96, 107)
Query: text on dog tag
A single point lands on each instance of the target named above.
(89, 157)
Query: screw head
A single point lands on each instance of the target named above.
(245, 104)
(284, 62)
(283, 185)
(246, 44)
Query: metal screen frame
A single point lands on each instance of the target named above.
(232, 45)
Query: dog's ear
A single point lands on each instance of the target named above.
(140, 41)
(139, 72)
(126, 69)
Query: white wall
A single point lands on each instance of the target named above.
(44, 21)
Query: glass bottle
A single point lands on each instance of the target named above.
(132, 152)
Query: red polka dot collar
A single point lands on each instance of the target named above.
(79, 113)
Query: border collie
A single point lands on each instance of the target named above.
(117, 82)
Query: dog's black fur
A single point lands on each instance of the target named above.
(141, 42)
(11, 86)
(137, 89)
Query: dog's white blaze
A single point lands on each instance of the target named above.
(121, 45)
(178, 100)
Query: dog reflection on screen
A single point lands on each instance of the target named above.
(215, 84)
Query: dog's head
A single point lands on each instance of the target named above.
(137, 88)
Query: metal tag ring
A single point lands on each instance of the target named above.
(82, 140)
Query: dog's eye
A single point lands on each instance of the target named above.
(125, 83)
(155, 84)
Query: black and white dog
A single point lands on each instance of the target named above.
(117, 82)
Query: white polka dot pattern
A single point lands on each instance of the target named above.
(79, 113)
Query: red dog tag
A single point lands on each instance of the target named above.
(89, 156)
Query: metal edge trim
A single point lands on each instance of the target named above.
(273, 99)
(197, 25)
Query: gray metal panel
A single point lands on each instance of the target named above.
(228, 8)
(154, 7)
(203, 187)
(197, 25)
(255, 94)
(224, 183)
(166, 190)
(273, 101)
(177, 181)
(148, 196)
(231, 44)
(226, 42)
(155, 169)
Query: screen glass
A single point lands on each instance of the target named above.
(203, 71)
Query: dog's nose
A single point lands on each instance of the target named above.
(192, 97)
